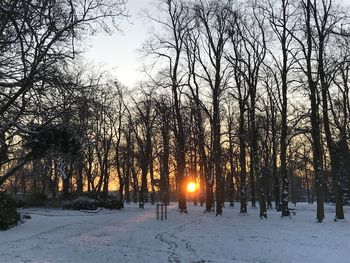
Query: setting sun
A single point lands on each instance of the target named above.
(191, 187)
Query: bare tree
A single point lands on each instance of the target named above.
(250, 51)
(213, 22)
(283, 20)
(169, 46)
(307, 50)
(38, 39)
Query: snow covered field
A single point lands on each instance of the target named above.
(134, 235)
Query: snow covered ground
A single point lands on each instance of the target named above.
(134, 235)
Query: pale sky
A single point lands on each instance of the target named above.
(118, 52)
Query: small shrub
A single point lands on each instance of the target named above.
(92, 201)
(97, 195)
(8, 212)
(36, 199)
(20, 201)
(106, 201)
(81, 203)
(112, 204)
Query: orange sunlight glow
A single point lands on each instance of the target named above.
(191, 187)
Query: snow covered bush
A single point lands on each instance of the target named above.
(31, 200)
(36, 199)
(81, 203)
(113, 204)
(89, 203)
(8, 213)
(105, 200)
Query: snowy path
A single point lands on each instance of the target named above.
(134, 235)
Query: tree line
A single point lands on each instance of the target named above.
(248, 98)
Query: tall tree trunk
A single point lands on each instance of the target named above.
(306, 177)
(242, 160)
(337, 189)
(317, 156)
(232, 165)
(127, 187)
(315, 119)
(143, 190)
(80, 181)
(151, 172)
(135, 185)
(330, 143)
(252, 173)
(129, 164)
(180, 140)
(203, 162)
(165, 162)
(283, 154)
(217, 154)
(66, 179)
(254, 159)
(121, 191)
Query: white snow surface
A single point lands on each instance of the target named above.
(134, 235)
